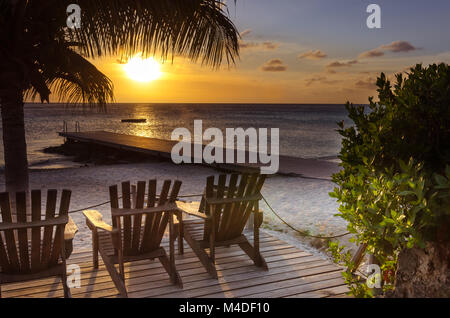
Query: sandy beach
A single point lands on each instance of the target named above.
(302, 202)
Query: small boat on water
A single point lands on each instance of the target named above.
(134, 120)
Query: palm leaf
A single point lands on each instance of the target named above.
(49, 55)
(73, 79)
(197, 29)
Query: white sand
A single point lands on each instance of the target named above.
(304, 203)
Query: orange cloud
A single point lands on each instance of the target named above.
(369, 83)
(395, 47)
(313, 55)
(321, 80)
(245, 32)
(399, 46)
(274, 65)
(341, 64)
(371, 53)
(267, 45)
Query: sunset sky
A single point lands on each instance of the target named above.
(298, 51)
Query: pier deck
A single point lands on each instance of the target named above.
(309, 168)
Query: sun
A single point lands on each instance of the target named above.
(142, 70)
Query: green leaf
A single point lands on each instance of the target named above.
(440, 179)
(405, 193)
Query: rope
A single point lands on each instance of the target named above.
(106, 202)
(303, 233)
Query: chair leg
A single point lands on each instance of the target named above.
(175, 277)
(180, 233)
(258, 260)
(201, 254)
(95, 249)
(117, 279)
(180, 240)
(66, 288)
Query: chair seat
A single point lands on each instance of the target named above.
(105, 241)
(189, 206)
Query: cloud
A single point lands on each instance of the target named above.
(395, 47)
(248, 45)
(245, 32)
(320, 79)
(274, 65)
(341, 64)
(369, 83)
(270, 45)
(267, 45)
(399, 46)
(371, 54)
(313, 55)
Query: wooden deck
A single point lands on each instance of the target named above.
(310, 168)
(292, 273)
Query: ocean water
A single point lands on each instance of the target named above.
(306, 131)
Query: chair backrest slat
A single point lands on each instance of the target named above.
(35, 232)
(9, 234)
(126, 203)
(235, 211)
(151, 201)
(157, 219)
(220, 195)
(147, 227)
(231, 214)
(209, 192)
(226, 218)
(25, 232)
(254, 187)
(114, 200)
(57, 250)
(4, 262)
(165, 218)
(48, 230)
(21, 209)
(137, 219)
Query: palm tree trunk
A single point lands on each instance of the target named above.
(14, 143)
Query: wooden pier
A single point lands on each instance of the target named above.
(292, 273)
(309, 168)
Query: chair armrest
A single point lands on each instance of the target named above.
(258, 218)
(94, 220)
(191, 209)
(69, 233)
(70, 230)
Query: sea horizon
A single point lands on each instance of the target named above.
(306, 130)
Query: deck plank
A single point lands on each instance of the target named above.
(292, 273)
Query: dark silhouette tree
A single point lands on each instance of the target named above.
(40, 55)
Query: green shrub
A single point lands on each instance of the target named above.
(394, 189)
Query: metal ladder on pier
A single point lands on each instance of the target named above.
(65, 127)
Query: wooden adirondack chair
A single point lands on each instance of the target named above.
(225, 209)
(137, 231)
(31, 247)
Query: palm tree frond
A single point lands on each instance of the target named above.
(198, 29)
(74, 80)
